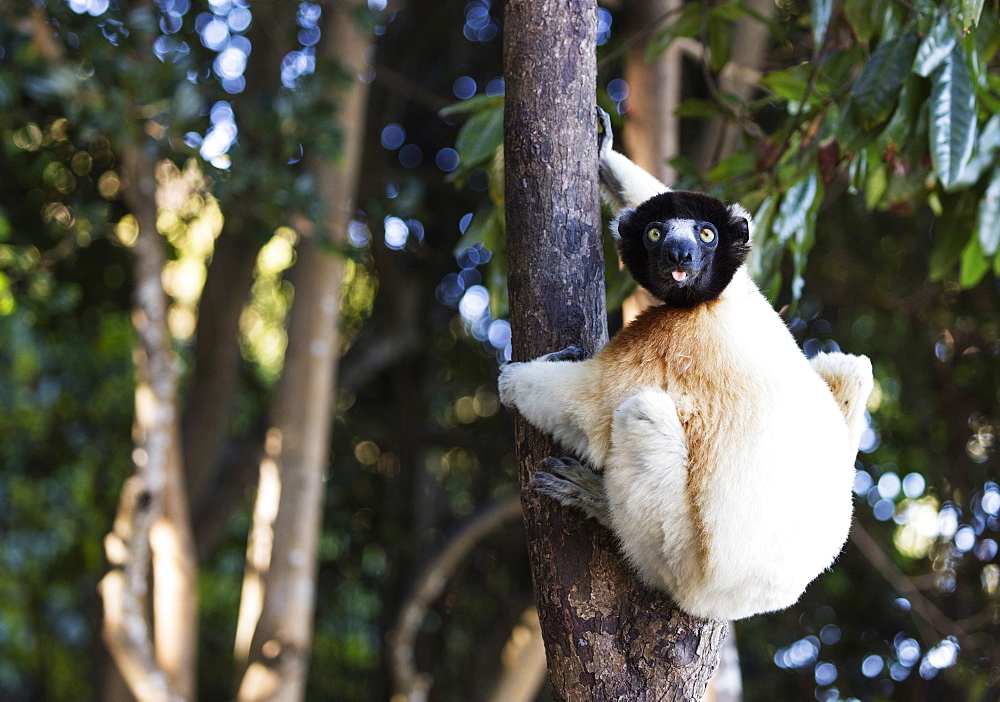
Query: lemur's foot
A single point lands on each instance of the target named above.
(573, 484)
(570, 353)
(604, 135)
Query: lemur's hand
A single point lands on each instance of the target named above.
(604, 135)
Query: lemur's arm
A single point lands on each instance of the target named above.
(850, 381)
(549, 392)
(623, 183)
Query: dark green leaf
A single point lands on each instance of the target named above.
(480, 137)
(859, 14)
(988, 219)
(953, 118)
(688, 24)
(698, 108)
(486, 227)
(952, 233)
(730, 10)
(876, 90)
(936, 46)
(720, 42)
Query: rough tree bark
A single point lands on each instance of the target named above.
(606, 636)
(274, 631)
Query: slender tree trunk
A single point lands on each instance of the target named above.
(152, 526)
(274, 634)
(606, 636)
(212, 390)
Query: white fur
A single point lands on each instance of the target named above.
(739, 518)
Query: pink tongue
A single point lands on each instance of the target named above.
(679, 275)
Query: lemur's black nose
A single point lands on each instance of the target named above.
(678, 251)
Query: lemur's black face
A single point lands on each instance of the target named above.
(683, 247)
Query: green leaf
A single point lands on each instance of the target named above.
(952, 233)
(973, 265)
(936, 46)
(971, 10)
(953, 118)
(796, 207)
(730, 10)
(480, 137)
(720, 42)
(983, 154)
(698, 108)
(479, 103)
(487, 227)
(789, 83)
(821, 10)
(688, 24)
(859, 14)
(988, 219)
(735, 165)
(876, 90)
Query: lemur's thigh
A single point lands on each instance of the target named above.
(646, 484)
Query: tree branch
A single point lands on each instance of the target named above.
(408, 682)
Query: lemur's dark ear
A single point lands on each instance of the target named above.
(743, 221)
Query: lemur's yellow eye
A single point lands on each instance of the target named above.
(654, 234)
(707, 234)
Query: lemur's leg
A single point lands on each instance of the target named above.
(850, 380)
(573, 484)
(646, 479)
(548, 393)
(623, 183)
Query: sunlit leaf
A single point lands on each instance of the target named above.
(876, 90)
(987, 144)
(796, 208)
(480, 137)
(789, 83)
(936, 46)
(971, 10)
(989, 216)
(953, 118)
(821, 10)
(973, 265)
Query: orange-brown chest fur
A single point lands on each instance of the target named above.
(683, 351)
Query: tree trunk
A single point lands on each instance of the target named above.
(274, 631)
(152, 525)
(215, 376)
(606, 636)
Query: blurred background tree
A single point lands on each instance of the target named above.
(863, 135)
